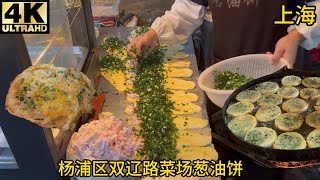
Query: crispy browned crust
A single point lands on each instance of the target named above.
(309, 118)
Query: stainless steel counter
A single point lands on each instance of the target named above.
(116, 102)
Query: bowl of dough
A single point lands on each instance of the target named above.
(221, 79)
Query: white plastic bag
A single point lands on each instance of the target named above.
(109, 8)
(105, 12)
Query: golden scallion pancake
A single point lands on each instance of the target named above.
(290, 141)
(185, 108)
(311, 82)
(313, 119)
(240, 108)
(116, 78)
(178, 72)
(241, 125)
(288, 92)
(313, 139)
(52, 97)
(189, 122)
(189, 138)
(295, 105)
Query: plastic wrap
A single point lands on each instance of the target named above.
(56, 47)
(105, 12)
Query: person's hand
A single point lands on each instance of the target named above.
(144, 43)
(287, 47)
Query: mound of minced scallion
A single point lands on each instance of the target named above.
(227, 80)
(111, 63)
(114, 43)
(154, 109)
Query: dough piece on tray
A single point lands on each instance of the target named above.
(195, 153)
(178, 72)
(179, 84)
(188, 122)
(185, 108)
(180, 55)
(311, 82)
(261, 136)
(313, 139)
(116, 78)
(189, 138)
(241, 125)
(177, 63)
(182, 96)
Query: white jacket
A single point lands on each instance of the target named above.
(185, 16)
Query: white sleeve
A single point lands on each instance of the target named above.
(180, 22)
(311, 33)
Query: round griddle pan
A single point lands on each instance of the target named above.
(270, 153)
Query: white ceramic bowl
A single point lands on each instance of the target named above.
(252, 65)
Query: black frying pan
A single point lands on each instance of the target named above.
(270, 153)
